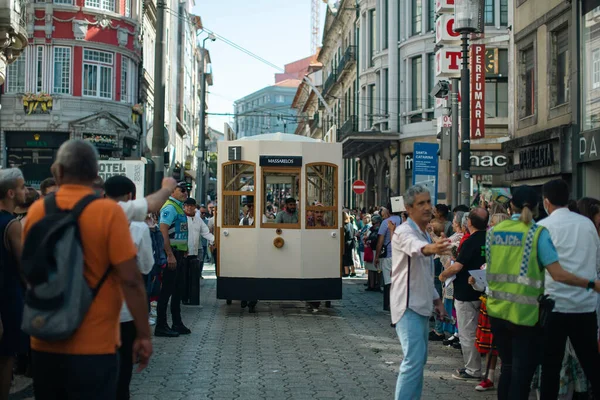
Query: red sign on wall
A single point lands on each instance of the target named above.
(477, 91)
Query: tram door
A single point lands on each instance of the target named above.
(321, 240)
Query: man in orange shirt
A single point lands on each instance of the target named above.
(85, 366)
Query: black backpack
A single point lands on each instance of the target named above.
(58, 296)
(373, 239)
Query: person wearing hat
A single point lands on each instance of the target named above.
(174, 228)
(518, 253)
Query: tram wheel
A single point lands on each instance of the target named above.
(328, 304)
(229, 302)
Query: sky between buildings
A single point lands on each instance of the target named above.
(276, 30)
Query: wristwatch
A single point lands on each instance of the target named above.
(591, 284)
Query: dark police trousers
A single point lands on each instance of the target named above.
(172, 287)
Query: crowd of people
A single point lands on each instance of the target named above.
(80, 262)
(501, 287)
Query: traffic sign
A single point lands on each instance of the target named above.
(359, 187)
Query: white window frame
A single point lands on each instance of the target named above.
(64, 2)
(11, 70)
(596, 69)
(69, 51)
(40, 69)
(128, 4)
(106, 5)
(104, 62)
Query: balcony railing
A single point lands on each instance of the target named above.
(329, 82)
(348, 127)
(347, 60)
(314, 122)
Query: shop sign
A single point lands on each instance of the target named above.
(39, 140)
(425, 171)
(588, 146)
(447, 62)
(408, 162)
(477, 91)
(444, 30)
(487, 163)
(536, 156)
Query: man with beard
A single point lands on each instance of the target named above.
(290, 214)
(12, 194)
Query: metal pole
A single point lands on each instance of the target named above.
(158, 134)
(454, 143)
(200, 181)
(465, 89)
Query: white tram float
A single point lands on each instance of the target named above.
(266, 256)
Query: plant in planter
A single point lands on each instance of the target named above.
(31, 102)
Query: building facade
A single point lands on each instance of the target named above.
(267, 110)
(306, 102)
(587, 142)
(88, 73)
(544, 95)
(78, 78)
(379, 66)
(13, 23)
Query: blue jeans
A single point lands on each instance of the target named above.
(412, 330)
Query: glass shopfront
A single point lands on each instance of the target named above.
(33, 153)
(589, 155)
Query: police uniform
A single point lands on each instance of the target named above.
(516, 256)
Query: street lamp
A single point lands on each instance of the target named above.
(200, 168)
(467, 15)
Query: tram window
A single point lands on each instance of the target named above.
(238, 194)
(281, 197)
(321, 196)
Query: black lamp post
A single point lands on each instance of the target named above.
(467, 15)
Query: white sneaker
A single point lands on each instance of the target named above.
(153, 313)
(151, 321)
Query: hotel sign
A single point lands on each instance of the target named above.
(447, 62)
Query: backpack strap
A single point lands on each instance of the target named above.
(50, 204)
(82, 204)
(76, 212)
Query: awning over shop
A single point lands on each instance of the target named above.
(359, 144)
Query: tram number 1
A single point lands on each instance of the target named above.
(235, 153)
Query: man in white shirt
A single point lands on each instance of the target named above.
(248, 219)
(413, 294)
(138, 209)
(196, 229)
(574, 316)
(122, 190)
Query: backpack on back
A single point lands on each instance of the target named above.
(58, 296)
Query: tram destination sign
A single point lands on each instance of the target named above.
(280, 161)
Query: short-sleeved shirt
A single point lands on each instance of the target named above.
(135, 210)
(385, 231)
(284, 217)
(471, 256)
(547, 253)
(177, 221)
(106, 242)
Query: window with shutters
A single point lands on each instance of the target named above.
(560, 40)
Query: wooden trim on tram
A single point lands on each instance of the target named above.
(335, 206)
(240, 193)
(263, 197)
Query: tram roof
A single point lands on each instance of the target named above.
(281, 137)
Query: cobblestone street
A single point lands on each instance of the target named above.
(285, 351)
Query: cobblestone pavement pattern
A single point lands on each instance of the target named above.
(285, 351)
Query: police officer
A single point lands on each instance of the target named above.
(518, 253)
(173, 226)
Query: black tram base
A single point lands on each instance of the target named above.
(279, 289)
